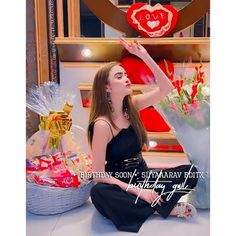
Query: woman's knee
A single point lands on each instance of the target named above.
(97, 190)
(192, 175)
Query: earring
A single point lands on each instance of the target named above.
(109, 101)
(125, 113)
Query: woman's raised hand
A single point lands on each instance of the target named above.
(134, 47)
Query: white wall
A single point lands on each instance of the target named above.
(70, 78)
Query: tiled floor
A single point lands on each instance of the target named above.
(86, 221)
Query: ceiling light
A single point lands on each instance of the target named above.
(86, 52)
(152, 143)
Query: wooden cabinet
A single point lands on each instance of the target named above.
(109, 49)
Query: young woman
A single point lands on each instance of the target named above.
(131, 192)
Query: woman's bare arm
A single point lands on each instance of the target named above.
(142, 101)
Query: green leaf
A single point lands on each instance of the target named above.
(179, 105)
(200, 88)
(181, 95)
(168, 99)
(187, 96)
(199, 96)
(188, 81)
(165, 103)
(195, 77)
(167, 68)
(204, 78)
(181, 76)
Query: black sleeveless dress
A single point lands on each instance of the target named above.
(121, 207)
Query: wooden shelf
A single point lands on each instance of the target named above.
(161, 135)
(100, 64)
(109, 49)
(135, 87)
(164, 154)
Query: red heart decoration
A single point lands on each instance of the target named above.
(153, 121)
(139, 73)
(152, 21)
(86, 102)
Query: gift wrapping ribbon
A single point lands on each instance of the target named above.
(58, 123)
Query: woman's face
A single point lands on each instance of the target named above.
(118, 82)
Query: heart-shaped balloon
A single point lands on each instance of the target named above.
(139, 73)
(152, 21)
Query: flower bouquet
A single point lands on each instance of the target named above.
(187, 110)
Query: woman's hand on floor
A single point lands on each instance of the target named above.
(149, 196)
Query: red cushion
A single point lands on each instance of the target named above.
(170, 148)
(153, 121)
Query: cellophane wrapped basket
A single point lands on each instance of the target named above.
(57, 171)
(46, 200)
(57, 183)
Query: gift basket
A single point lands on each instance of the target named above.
(58, 173)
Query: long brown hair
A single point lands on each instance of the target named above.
(101, 107)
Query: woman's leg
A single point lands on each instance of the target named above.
(182, 179)
(119, 206)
